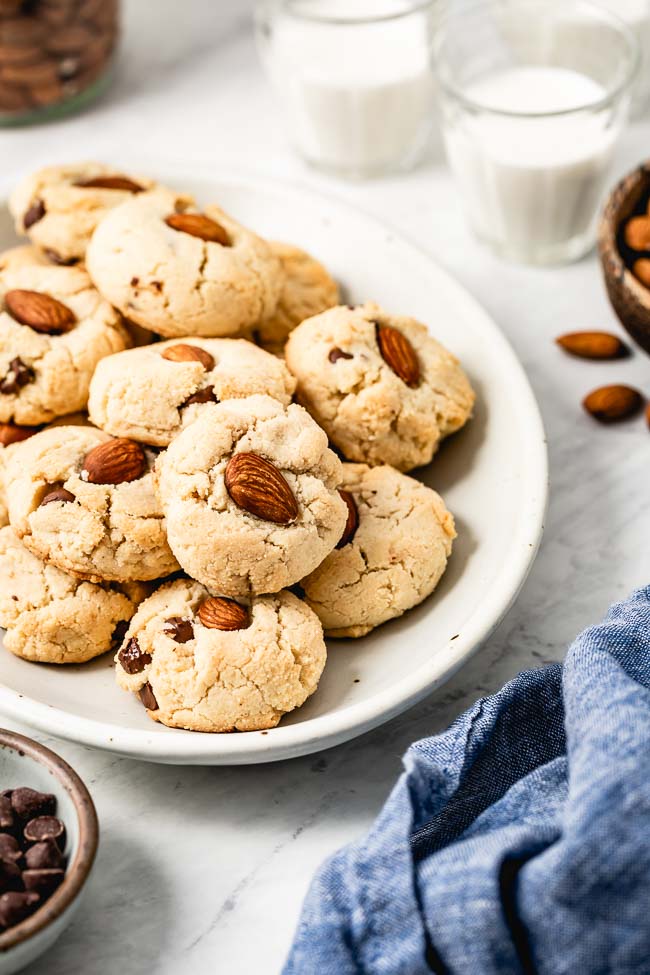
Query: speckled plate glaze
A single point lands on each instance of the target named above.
(493, 476)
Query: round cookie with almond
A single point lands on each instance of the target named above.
(59, 207)
(211, 664)
(85, 502)
(249, 491)
(307, 289)
(384, 390)
(181, 274)
(54, 329)
(393, 553)
(152, 393)
(54, 617)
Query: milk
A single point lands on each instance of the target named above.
(357, 96)
(636, 14)
(533, 185)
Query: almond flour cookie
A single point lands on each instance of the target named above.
(60, 206)
(54, 329)
(383, 389)
(249, 493)
(211, 664)
(54, 617)
(152, 393)
(85, 502)
(25, 255)
(392, 554)
(307, 290)
(183, 273)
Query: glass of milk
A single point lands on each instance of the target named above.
(354, 78)
(534, 96)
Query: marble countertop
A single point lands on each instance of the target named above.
(204, 869)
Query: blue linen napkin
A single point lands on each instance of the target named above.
(516, 842)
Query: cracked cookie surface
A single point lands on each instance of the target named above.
(229, 549)
(394, 559)
(370, 412)
(202, 678)
(308, 289)
(176, 283)
(102, 531)
(54, 617)
(60, 216)
(44, 375)
(151, 393)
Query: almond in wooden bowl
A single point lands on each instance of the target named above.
(623, 235)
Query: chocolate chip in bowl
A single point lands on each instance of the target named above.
(48, 840)
(624, 245)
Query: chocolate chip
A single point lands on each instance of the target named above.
(43, 882)
(44, 828)
(6, 813)
(178, 629)
(205, 395)
(148, 697)
(336, 354)
(9, 848)
(43, 856)
(119, 633)
(157, 286)
(28, 803)
(16, 906)
(58, 494)
(135, 282)
(10, 878)
(35, 213)
(56, 258)
(132, 658)
(352, 522)
(19, 375)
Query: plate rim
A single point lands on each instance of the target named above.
(329, 730)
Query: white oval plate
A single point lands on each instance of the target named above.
(493, 476)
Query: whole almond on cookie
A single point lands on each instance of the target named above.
(608, 404)
(40, 311)
(188, 353)
(218, 613)
(593, 345)
(114, 462)
(398, 353)
(110, 183)
(258, 487)
(352, 522)
(12, 433)
(198, 225)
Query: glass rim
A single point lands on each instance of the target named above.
(417, 6)
(597, 13)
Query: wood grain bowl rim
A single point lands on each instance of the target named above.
(78, 871)
(611, 257)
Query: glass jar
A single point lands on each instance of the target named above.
(354, 78)
(55, 55)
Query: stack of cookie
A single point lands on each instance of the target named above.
(191, 516)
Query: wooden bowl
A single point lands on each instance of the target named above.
(630, 299)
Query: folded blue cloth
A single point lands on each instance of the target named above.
(518, 841)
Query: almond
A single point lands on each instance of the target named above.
(399, 354)
(593, 345)
(258, 487)
(35, 213)
(58, 494)
(114, 462)
(188, 353)
(641, 271)
(40, 311)
(198, 225)
(611, 403)
(218, 613)
(11, 433)
(637, 233)
(352, 522)
(110, 183)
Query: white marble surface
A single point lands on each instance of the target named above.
(204, 870)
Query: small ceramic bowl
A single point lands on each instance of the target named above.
(24, 762)
(630, 298)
